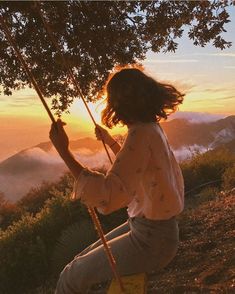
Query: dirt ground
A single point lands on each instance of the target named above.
(205, 262)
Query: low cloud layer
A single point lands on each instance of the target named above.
(32, 167)
(187, 152)
(197, 117)
(35, 166)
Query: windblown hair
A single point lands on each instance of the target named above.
(132, 96)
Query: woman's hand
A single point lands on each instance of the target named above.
(59, 137)
(102, 134)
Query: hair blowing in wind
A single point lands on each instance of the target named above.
(134, 96)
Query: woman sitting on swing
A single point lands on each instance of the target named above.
(145, 177)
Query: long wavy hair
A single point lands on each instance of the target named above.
(132, 96)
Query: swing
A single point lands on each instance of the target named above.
(134, 284)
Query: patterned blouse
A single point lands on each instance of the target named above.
(145, 177)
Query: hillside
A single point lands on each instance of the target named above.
(205, 260)
(88, 143)
(182, 132)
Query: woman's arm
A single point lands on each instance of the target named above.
(114, 146)
(102, 134)
(74, 166)
(60, 140)
(122, 181)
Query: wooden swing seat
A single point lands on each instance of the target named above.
(133, 284)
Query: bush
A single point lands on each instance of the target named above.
(27, 245)
(35, 199)
(9, 213)
(229, 178)
(72, 241)
(206, 167)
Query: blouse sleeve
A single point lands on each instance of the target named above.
(117, 188)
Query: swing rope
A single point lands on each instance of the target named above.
(68, 67)
(25, 66)
(32, 79)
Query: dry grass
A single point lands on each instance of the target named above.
(205, 261)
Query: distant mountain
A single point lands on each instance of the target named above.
(32, 166)
(186, 137)
(87, 142)
(181, 132)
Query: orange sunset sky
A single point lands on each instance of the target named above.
(206, 74)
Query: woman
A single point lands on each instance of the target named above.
(145, 177)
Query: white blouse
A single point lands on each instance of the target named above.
(145, 177)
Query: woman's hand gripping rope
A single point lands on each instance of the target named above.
(59, 137)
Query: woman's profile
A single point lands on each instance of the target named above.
(145, 177)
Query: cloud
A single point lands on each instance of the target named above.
(26, 100)
(229, 67)
(31, 167)
(187, 152)
(38, 154)
(171, 61)
(224, 54)
(229, 54)
(182, 85)
(227, 97)
(215, 89)
(19, 105)
(84, 155)
(196, 117)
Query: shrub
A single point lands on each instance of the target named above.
(35, 199)
(9, 213)
(229, 178)
(27, 245)
(206, 167)
(72, 241)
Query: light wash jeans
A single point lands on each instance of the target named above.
(139, 245)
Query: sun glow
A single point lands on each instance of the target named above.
(80, 120)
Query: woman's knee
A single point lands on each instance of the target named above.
(72, 278)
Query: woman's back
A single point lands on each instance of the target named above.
(160, 188)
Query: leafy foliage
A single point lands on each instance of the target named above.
(28, 246)
(9, 212)
(35, 199)
(97, 35)
(229, 177)
(206, 167)
(73, 240)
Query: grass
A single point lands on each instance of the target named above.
(205, 261)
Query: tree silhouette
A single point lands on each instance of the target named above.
(96, 35)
